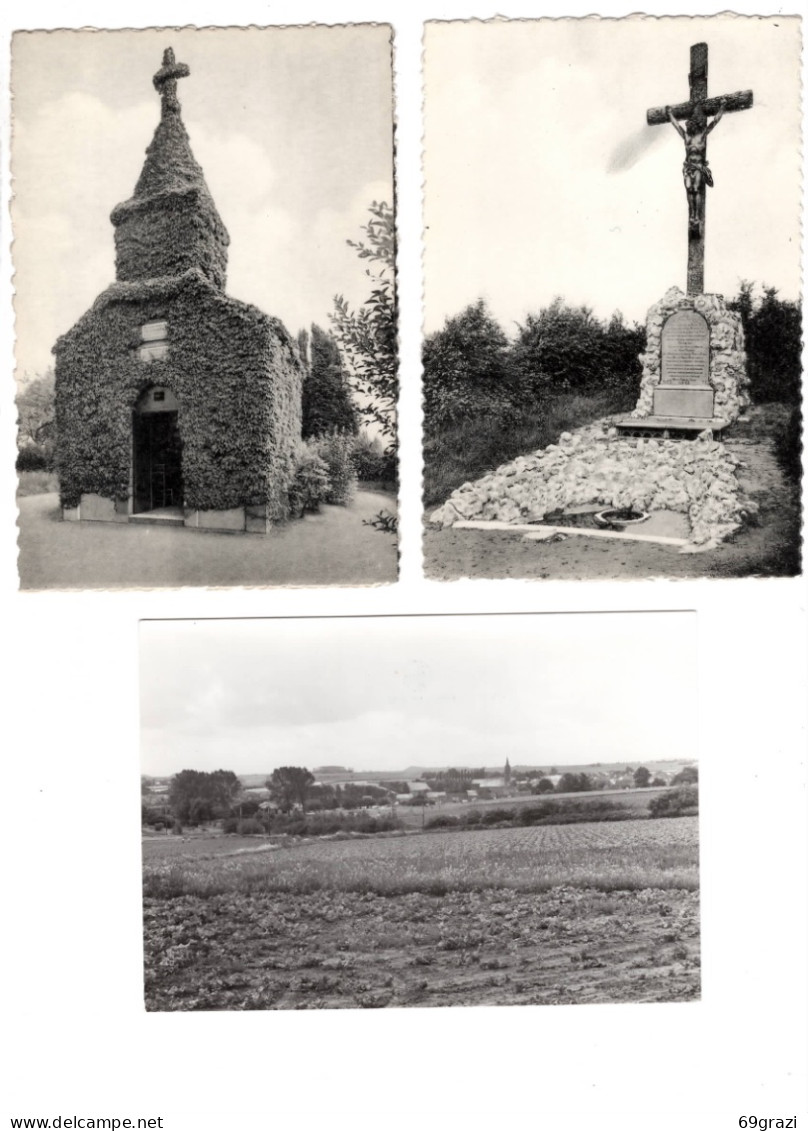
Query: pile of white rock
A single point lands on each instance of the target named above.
(595, 465)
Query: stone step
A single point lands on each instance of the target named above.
(545, 533)
(158, 518)
(532, 532)
(671, 424)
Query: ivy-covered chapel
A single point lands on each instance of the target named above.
(175, 403)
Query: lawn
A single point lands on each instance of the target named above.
(333, 547)
(460, 452)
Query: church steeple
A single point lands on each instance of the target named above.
(170, 224)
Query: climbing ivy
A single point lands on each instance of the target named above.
(234, 370)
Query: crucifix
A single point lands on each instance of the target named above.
(165, 81)
(696, 112)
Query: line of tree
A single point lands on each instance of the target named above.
(36, 423)
(472, 369)
(368, 336)
(294, 787)
(773, 339)
(289, 786)
(197, 796)
(328, 404)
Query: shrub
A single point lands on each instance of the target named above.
(773, 332)
(384, 521)
(230, 825)
(153, 817)
(336, 452)
(687, 776)
(370, 463)
(466, 374)
(329, 823)
(495, 816)
(176, 828)
(33, 458)
(310, 484)
(549, 812)
(442, 822)
(566, 348)
(390, 470)
(535, 813)
(681, 802)
(250, 826)
(788, 445)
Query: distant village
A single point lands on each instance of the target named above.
(335, 787)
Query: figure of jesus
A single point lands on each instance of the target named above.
(696, 170)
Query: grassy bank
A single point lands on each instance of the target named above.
(456, 454)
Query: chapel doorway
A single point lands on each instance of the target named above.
(156, 452)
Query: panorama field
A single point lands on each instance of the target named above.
(551, 914)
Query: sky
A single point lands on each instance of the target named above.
(292, 128)
(385, 693)
(543, 179)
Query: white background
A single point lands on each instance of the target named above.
(78, 1040)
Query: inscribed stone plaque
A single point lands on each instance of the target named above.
(688, 401)
(685, 349)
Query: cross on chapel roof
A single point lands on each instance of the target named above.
(170, 222)
(165, 81)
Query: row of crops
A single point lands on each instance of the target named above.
(626, 855)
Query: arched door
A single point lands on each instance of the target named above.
(156, 451)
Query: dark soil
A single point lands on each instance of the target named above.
(338, 950)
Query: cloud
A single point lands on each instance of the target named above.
(518, 204)
(293, 268)
(629, 151)
(75, 158)
(388, 692)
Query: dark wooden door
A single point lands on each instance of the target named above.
(157, 461)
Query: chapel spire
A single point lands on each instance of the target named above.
(170, 224)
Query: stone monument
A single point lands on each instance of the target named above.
(694, 366)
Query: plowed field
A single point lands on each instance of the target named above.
(557, 914)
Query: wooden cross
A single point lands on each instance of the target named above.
(165, 81)
(696, 170)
